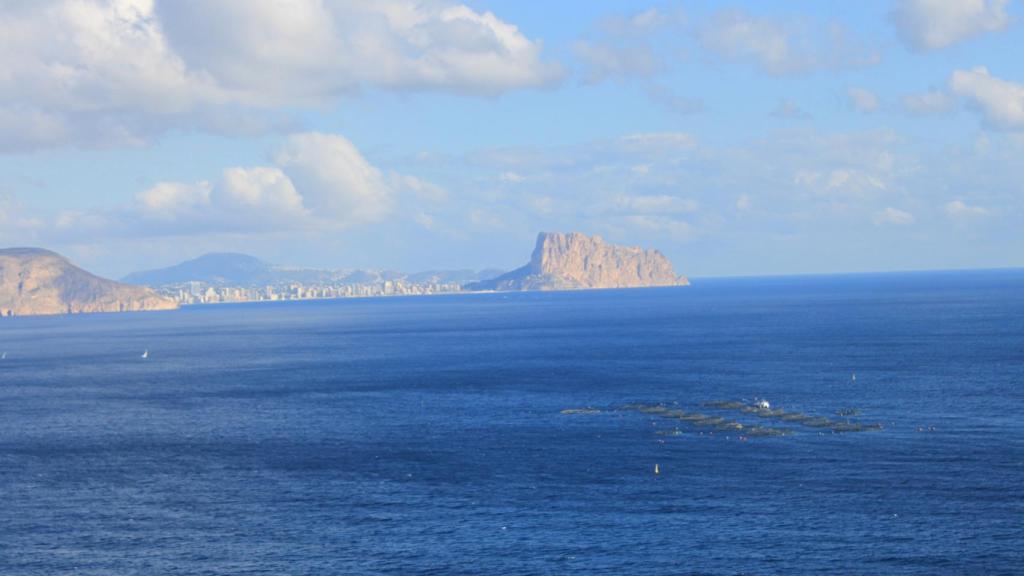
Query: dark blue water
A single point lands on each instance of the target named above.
(424, 435)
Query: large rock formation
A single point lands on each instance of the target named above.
(575, 262)
(36, 281)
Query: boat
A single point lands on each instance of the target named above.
(763, 404)
(145, 354)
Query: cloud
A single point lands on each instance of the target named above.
(959, 210)
(172, 200)
(848, 181)
(262, 189)
(1000, 102)
(627, 151)
(931, 102)
(862, 99)
(642, 22)
(655, 204)
(892, 216)
(318, 183)
(658, 141)
(603, 61)
(335, 179)
(286, 51)
(119, 72)
(637, 182)
(781, 47)
(678, 230)
(622, 46)
(418, 187)
(933, 24)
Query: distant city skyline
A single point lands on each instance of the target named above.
(739, 138)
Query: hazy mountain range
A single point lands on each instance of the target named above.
(231, 269)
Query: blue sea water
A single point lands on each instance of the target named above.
(425, 435)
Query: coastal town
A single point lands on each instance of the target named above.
(195, 292)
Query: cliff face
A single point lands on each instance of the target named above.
(575, 261)
(35, 281)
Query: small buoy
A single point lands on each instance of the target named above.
(657, 470)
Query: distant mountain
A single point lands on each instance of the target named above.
(574, 261)
(36, 281)
(221, 269)
(229, 269)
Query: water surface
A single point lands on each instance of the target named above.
(424, 435)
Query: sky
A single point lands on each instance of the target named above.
(739, 138)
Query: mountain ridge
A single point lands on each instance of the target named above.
(236, 269)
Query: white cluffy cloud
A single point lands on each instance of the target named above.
(117, 72)
(335, 179)
(319, 182)
(169, 201)
(261, 188)
(932, 24)
(1000, 102)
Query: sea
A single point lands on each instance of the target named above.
(520, 433)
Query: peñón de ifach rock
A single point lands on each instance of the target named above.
(575, 261)
(36, 281)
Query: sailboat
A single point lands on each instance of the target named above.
(145, 354)
(3, 356)
(853, 378)
(656, 470)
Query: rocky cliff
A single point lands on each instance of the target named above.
(575, 262)
(36, 281)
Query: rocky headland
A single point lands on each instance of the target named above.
(34, 281)
(575, 261)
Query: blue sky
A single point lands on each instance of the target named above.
(739, 138)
